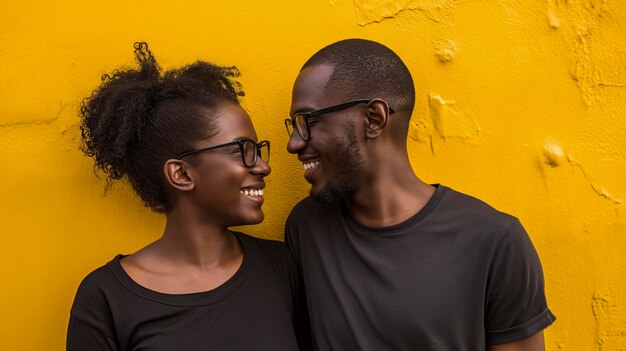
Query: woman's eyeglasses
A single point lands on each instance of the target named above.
(250, 150)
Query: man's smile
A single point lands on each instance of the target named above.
(309, 165)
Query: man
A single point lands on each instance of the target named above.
(390, 262)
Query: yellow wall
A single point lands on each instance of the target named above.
(520, 102)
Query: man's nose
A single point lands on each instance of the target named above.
(295, 143)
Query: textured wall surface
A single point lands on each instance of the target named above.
(520, 102)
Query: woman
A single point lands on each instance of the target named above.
(190, 151)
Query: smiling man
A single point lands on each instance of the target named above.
(390, 262)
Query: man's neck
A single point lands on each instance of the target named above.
(391, 197)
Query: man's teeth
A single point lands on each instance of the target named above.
(310, 165)
(252, 192)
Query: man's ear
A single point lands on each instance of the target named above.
(377, 117)
(177, 175)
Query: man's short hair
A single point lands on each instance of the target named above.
(366, 69)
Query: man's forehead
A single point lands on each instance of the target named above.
(308, 89)
(315, 75)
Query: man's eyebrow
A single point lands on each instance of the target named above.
(303, 110)
(243, 138)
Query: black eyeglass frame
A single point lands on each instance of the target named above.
(292, 122)
(240, 143)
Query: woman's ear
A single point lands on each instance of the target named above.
(177, 175)
(377, 117)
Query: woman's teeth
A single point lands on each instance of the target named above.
(252, 192)
(310, 165)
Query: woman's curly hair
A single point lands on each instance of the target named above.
(140, 117)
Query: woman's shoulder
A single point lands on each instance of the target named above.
(263, 245)
(100, 277)
(94, 291)
(274, 252)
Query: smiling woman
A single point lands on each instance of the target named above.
(190, 151)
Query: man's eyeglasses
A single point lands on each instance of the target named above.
(250, 150)
(300, 121)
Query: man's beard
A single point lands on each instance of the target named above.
(350, 160)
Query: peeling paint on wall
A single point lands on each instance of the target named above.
(597, 188)
(373, 11)
(553, 154)
(451, 121)
(521, 103)
(594, 66)
(605, 311)
(446, 120)
(31, 122)
(446, 50)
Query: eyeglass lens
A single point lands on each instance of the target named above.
(300, 126)
(250, 152)
(289, 126)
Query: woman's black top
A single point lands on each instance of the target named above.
(256, 309)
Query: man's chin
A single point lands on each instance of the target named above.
(327, 195)
(321, 197)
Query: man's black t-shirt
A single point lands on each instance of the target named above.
(458, 275)
(253, 310)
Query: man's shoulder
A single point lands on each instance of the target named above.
(468, 209)
(310, 207)
(309, 217)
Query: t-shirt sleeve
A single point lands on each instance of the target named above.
(302, 323)
(516, 305)
(291, 240)
(91, 325)
(82, 336)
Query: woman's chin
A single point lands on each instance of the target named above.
(251, 219)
